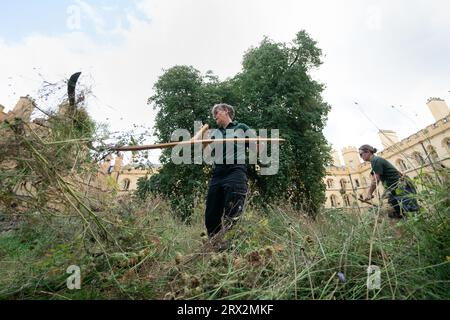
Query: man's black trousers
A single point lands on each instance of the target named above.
(226, 197)
(403, 199)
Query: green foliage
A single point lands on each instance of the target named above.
(73, 131)
(273, 91)
(34, 157)
(280, 253)
(285, 255)
(278, 92)
(171, 182)
(182, 97)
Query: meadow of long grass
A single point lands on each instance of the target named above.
(127, 248)
(275, 254)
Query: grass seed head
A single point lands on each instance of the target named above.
(178, 258)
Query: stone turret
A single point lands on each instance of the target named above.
(388, 138)
(351, 157)
(23, 109)
(336, 160)
(438, 108)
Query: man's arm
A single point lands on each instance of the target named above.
(373, 186)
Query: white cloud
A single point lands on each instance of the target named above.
(379, 53)
(91, 13)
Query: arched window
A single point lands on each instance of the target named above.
(346, 201)
(330, 183)
(343, 184)
(333, 201)
(432, 154)
(402, 165)
(446, 144)
(419, 159)
(126, 185)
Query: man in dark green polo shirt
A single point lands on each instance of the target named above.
(389, 175)
(233, 152)
(228, 186)
(400, 192)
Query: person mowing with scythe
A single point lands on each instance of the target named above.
(399, 188)
(227, 189)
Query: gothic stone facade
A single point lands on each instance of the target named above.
(424, 153)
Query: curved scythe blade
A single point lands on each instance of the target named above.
(71, 88)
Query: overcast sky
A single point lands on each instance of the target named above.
(377, 53)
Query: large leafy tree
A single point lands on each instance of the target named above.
(277, 91)
(274, 90)
(182, 96)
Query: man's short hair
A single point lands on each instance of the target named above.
(225, 107)
(368, 148)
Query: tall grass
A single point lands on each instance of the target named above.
(278, 254)
(133, 249)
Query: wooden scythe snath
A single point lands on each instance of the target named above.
(194, 140)
(367, 202)
(203, 141)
